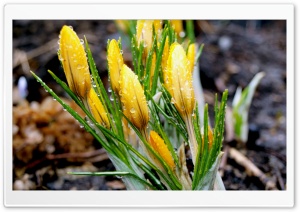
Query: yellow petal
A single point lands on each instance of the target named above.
(74, 61)
(178, 27)
(210, 137)
(161, 148)
(115, 63)
(133, 98)
(144, 34)
(97, 108)
(191, 54)
(178, 80)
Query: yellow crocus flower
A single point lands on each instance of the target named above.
(133, 99)
(115, 63)
(74, 62)
(161, 148)
(97, 108)
(178, 80)
(191, 54)
(144, 34)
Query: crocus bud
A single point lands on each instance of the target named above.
(133, 99)
(191, 54)
(97, 108)
(144, 34)
(74, 62)
(178, 81)
(115, 63)
(161, 148)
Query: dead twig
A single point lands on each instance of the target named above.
(251, 169)
(229, 125)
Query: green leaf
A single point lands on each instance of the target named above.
(241, 104)
(158, 63)
(208, 181)
(190, 30)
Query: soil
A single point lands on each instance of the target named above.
(234, 52)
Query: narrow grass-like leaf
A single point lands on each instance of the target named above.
(148, 68)
(152, 178)
(205, 143)
(190, 30)
(158, 63)
(197, 129)
(199, 52)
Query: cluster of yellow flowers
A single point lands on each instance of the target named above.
(176, 70)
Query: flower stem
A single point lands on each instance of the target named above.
(192, 138)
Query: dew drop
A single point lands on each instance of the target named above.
(71, 27)
(82, 41)
(182, 34)
(173, 100)
(132, 110)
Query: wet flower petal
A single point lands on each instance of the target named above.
(115, 63)
(159, 146)
(191, 54)
(97, 108)
(133, 98)
(178, 80)
(74, 62)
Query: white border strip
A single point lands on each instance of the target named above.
(147, 198)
